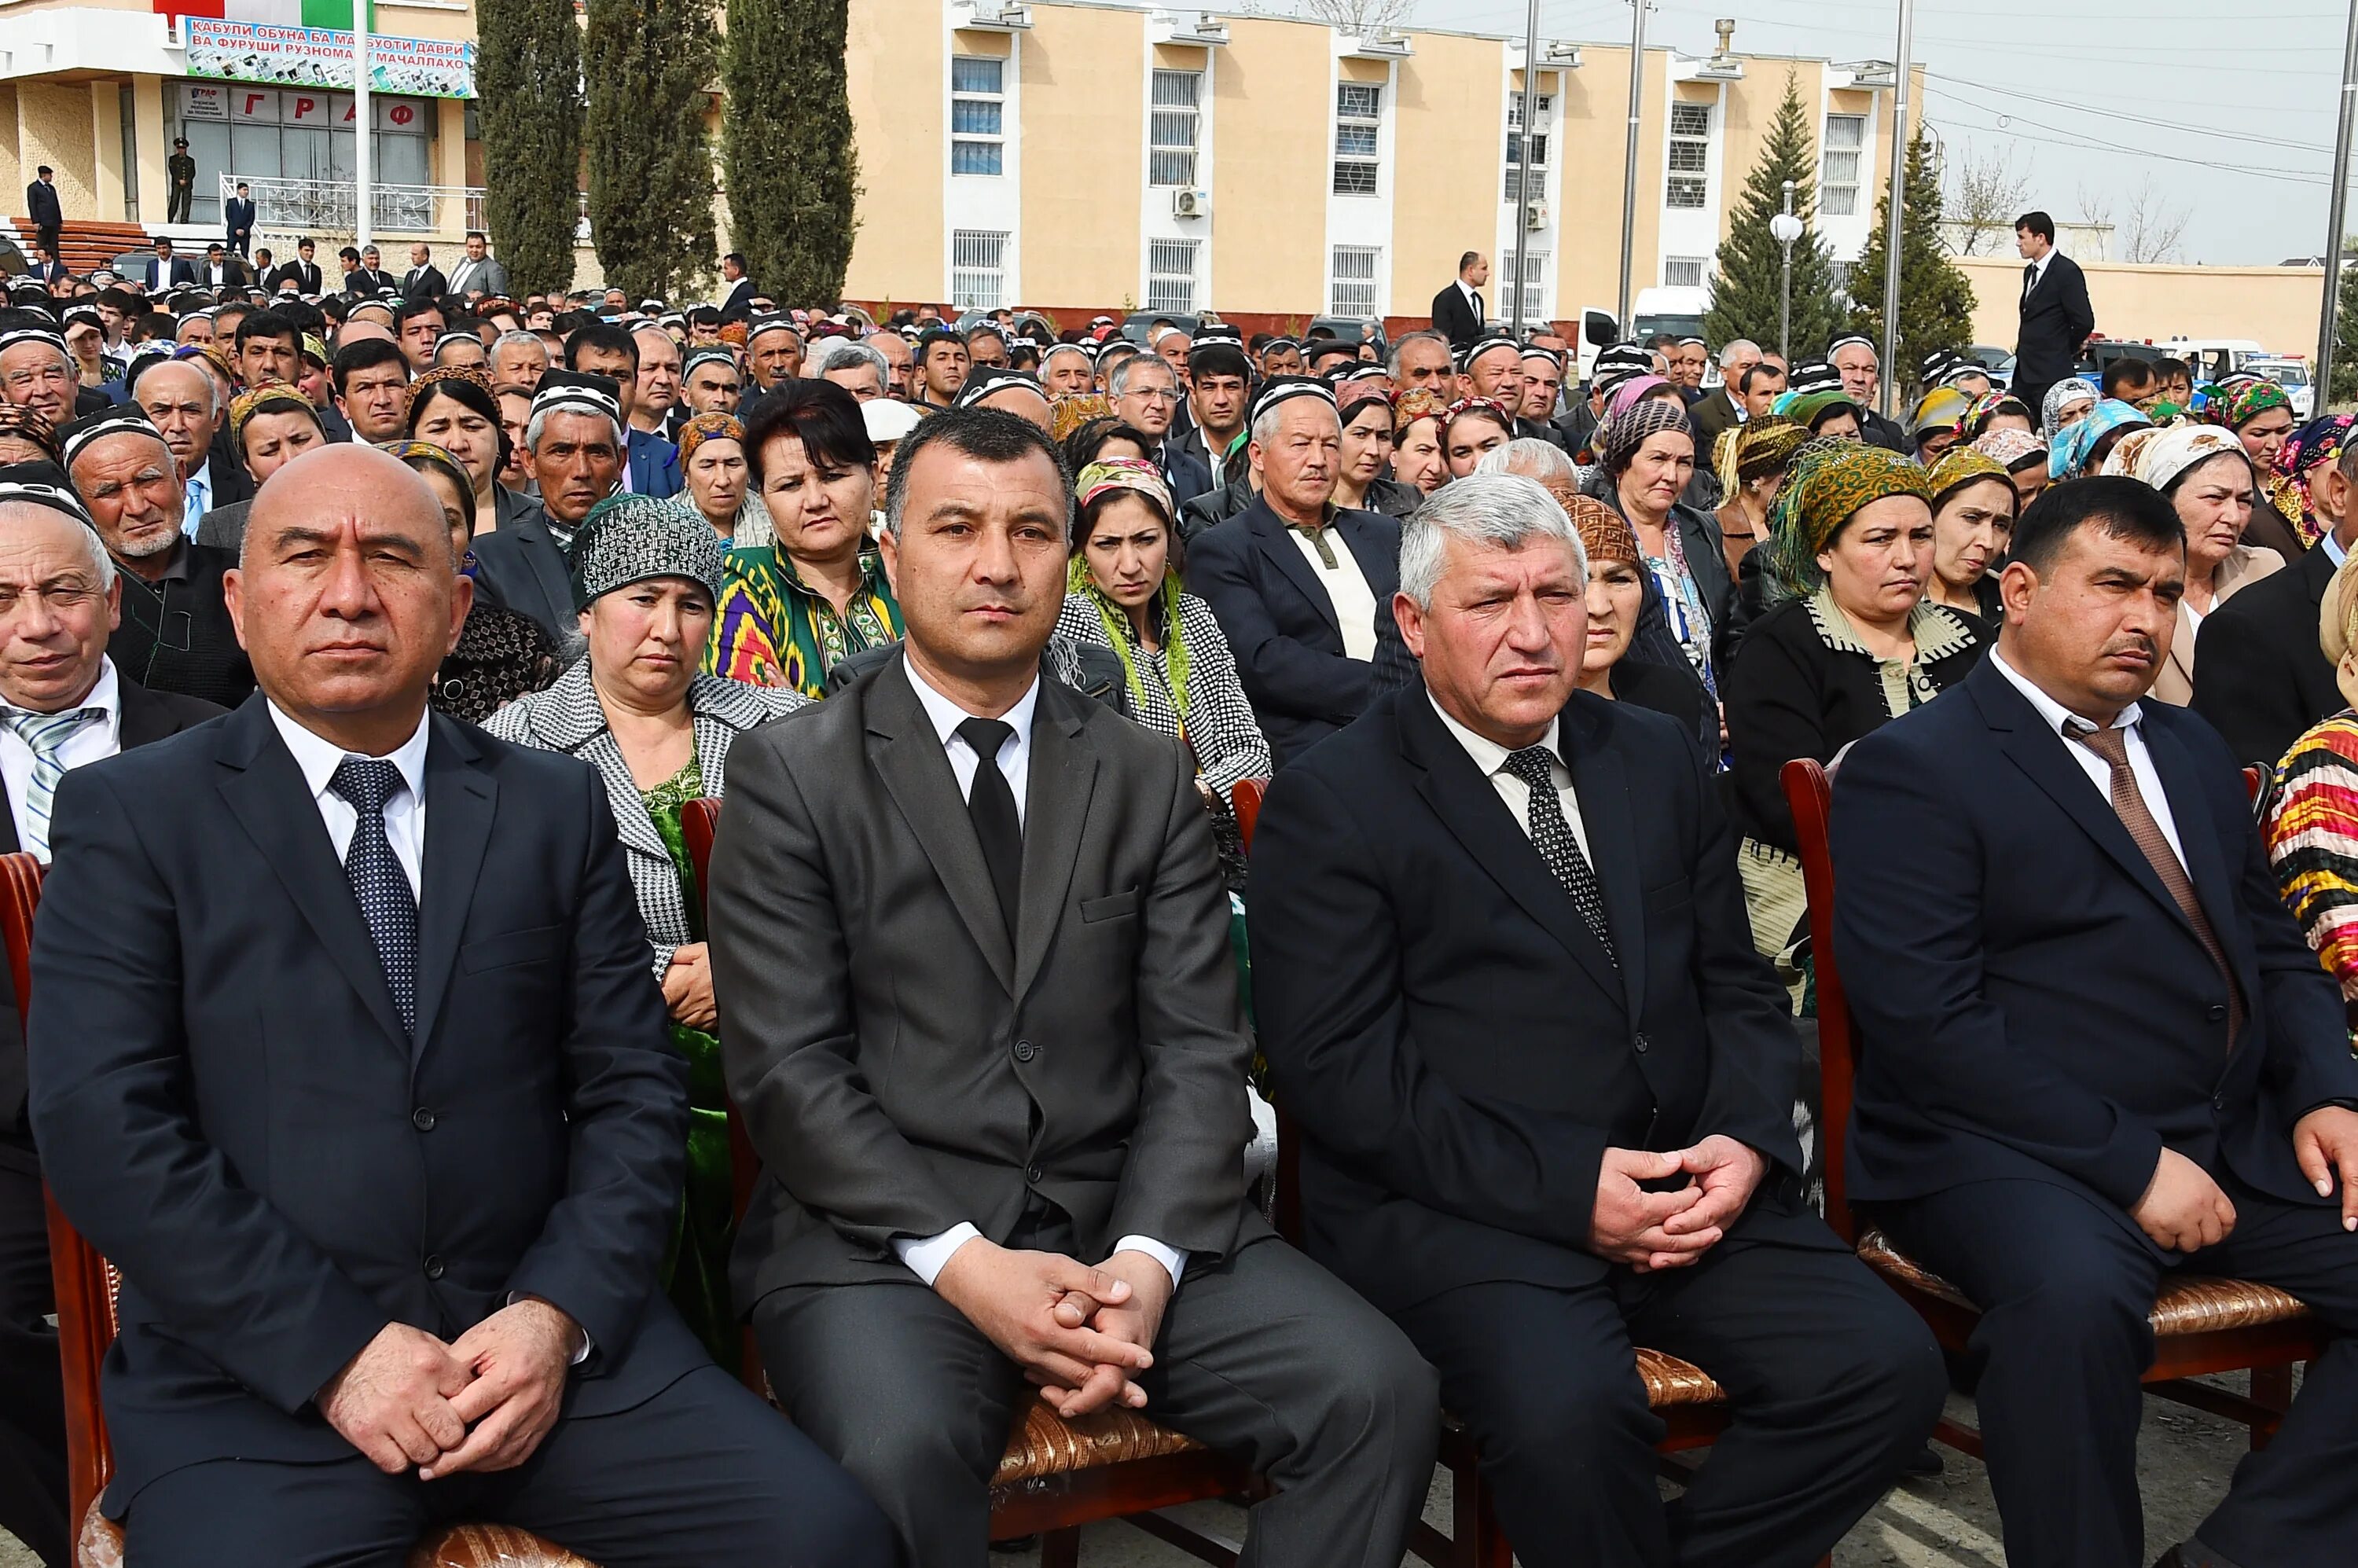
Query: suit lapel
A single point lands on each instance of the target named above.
(1277, 544)
(908, 756)
(1055, 805)
(548, 567)
(1602, 787)
(460, 801)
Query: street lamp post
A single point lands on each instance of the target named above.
(1629, 158)
(1900, 140)
(2327, 325)
(1785, 229)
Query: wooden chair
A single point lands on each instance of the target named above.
(2200, 1325)
(87, 1286)
(1055, 1475)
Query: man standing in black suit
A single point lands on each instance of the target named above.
(390, 1159)
(41, 206)
(1504, 978)
(424, 280)
(239, 215)
(2056, 315)
(2095, 1048)
(303, 271)
(1457, 312)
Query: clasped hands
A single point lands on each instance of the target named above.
(407, 1401)
(1080, 1335)
(1652, 1230)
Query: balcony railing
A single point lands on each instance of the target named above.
(332, 207)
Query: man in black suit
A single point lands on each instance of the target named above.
(1147, 394)
(574, 445)
(424, 280)
(2056, 315)
(737, 302)
(67, 707)
(2259, 675)
(47, 267)
(1058, 1195)
(1302, 587)
(413, 1278)
(2095, 1048)
(239, 215)
(1504, 978)
(221, 269)
(370, 279)
(164, 270)
(1457, 312)
(303, 271)
(41, 206)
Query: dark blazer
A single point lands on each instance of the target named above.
(654, 465)
(239, 217)
(369, 281)
(1188, 475)
(230, 1109)
(424, 283)
(41, 205)
(175, 633)
(2271, 530)
(305, 274)
(1094, 1054)
(2056, 318)
(159, 274)
(520, 566)
(2259, 676)
(1214, 506)
(2032, 1004)
(1454, 316)
(1876, 431)
(231, 483)
(1670, 690)
(48, 271)
(1281, 623)
(234, 273)
(1457, 1048)
(739, 300)
(1712, 416)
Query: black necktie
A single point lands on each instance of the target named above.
(2029, 279)
(387, 902)
(1551, 837)
(992, 806)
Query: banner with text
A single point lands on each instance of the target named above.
(322, 57)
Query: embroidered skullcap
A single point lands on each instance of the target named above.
(1961, 465)
(457, 338)
(83, 316)
(2011, 449)
(273, 398)
(1698, 342)
(778, 323)
(1618, 364)
(709, 427)
(1282, 389)
(1935, 367)
(1417, 403)
(1604, 534)
(48, 337)
(706, 356)
(43, 484)
(78, 433)
(1813, 375)
(984, 384)
(1829, 480)
(1485, 344)
(473, 376)
(1217, 332)
(633, 538)
(1368, 370)
(1618, 440)
(2172, 452)
(1123, 473)
(1848, 340)
(1764, 446)
(576, 392)
(1541, 351)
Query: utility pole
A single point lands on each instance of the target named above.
(1630, 167)
(1523, 154)
(1891, 218)
(1785, 229)
(364, 125)
(2327, 324)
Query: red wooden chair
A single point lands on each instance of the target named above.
(2201, 1326)
(86, 1290)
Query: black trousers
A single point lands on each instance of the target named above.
(33, 1501)
(2064, 1288)
(1832, 1381)
(177, 203)
(703, 1473)
(1264, 1355)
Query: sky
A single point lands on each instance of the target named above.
(2218, 112)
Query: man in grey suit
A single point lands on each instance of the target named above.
(482, 272)
(968, 936)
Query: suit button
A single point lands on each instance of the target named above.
(1035, 1175)
(2217, 1012)
(2218, 1102)
(1643, 1045)
(422, 1119)
(433, 1266)
(1025, 1050)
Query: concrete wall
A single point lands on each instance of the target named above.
(54, 128)
(1273, 107)
(2278, 306)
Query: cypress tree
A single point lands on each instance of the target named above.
(785, 145)
(528, 87)
(1746, 282)
(649, 63)
(2345, 346)
(1936, 301)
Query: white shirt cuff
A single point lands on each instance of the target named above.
(1173, 1261)
(927, 1257)
(580, 1355)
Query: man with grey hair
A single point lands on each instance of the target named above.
(1504, 978)
(1064, 370)
(1530, 457)
(183, 400)
(1146, 394)
(518, 359)
(574, 443)
(1722, 407)
(852, 365)
(1421, 362)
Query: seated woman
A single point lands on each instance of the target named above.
(2204, 472)
(454, 408)
(1123, 592)
(2312, 818)
(1471, 426)
(1616, 595)
(1646, 457)
(646, 575)
(500, 655)
(2023, 458)
(1974, 508)
(1853, 644)
(1361, 480)
(1418, 456)
(2084, 445)
(2260, 414)
(716, 480)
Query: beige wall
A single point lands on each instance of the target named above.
(1272, 117)
(147, 108)
(895, 76)
(1083, 111)
(53, 127)
(1448, 135)
(2277, 306)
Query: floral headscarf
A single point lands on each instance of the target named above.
(2067, 452)
(1831, 478)
(1988, 406)
(2071, 389)
(2239, 404)
(1074, 409)
(2010, 448)
(1421, 403)
(275, 397)
(1806, 408)
(2315, 444)
(2162, 460)
(1767, 446)
(1484, 407)
(471, 374)
(2121, 461)
(1962, 465)
(713, 427)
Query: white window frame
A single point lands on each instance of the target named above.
(1839, 184)
(1510, 191)
(980, 141)
(1169, 289)
(1170, 161)
(977, 282)
(1688, 189)
(1685, 272)
(1533, 287)
(1345, 265)
(1356, 120)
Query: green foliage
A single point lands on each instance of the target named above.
(1747, 282)
(649, 64)
(2344, 389)
(1936, 301)
(786, 148)
(528, 81)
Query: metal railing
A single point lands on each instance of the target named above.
(327, 206)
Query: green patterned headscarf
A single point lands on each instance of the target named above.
(1829, 480)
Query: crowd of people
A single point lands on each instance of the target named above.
(390, 1052)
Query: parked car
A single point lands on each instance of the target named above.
(2291, 373)
(1998, 361)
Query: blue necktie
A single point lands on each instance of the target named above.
(45, 735)
(387, 903)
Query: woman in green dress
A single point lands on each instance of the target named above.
(646, 578)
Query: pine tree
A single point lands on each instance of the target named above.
(1936, 301)
(528, 86)
(785, 145)
(649, 64)
(2345, 341)
(1747, 282)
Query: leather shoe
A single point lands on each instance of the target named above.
(2193, 1554)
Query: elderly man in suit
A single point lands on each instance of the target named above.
(1015, 1170)
(573, 440)
(389, 1156)
(2096, 1050)
(1504, 979)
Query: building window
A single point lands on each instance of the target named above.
(978, 116)
(1358, 113)
(977, 269)
(296, 146)
(1539, 148)
(1171, 276)
(1690, 155)
(1534, 291)
(1684, 272)
(1354, 289)
(1173, 127)
(1838, 186)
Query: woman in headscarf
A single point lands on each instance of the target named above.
(1360, 482)
(2083, 444)
(1853, 644)
(1973, 509)
(1646, 456)
(1763, 448)
(1994, 411)
(2023, 458)
(2257, 410)
(453, 408)
(1617, 598)
(646, 576)
(2204, 473)
(1471, 426)
(1418, 456)
(267, 428)
(2312, 818)
(1827, 412)
(2067, 403)
(1093, 440)
(1933, 427)
(717, 483)
(2306, 450)
(500, 655)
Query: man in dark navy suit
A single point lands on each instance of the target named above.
(2096, 1049)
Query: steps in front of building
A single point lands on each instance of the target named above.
(85, 245)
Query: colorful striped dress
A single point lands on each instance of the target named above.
(771, 626)
(2312, 837)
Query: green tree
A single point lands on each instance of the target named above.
(1747, 281)
(528, 86)
(785, 145)
(1936, 301)
(649, 65)
(2344, 389)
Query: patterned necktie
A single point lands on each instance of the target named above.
(2113, 746)
(2029, 279)
(990, 802)
(386, 899)
(46, 734)
(1553, 837)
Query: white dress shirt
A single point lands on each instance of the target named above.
(1346, 590)
(926, 1257)
(1491, 757)
(2039, 271)
(1473, 299)
(2062, 722)
(196, 500)
(92, 743)
(404, 810)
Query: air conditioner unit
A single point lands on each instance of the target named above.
(1191, 204)
(1535, 214)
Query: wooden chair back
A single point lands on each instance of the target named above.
(1811, 794)
(1245, 797)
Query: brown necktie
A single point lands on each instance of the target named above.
(2113, 746)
